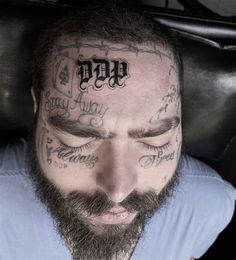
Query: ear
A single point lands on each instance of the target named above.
(33, 94)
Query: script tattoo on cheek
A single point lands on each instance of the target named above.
(49, 150)
(68, 155)
(101, 72)
(148, 161)
(92, 112)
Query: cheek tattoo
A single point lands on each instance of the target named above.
(67, 154)
(147, 161)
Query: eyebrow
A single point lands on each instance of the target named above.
(163, 126)
(75, 128)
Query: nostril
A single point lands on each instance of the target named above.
(116, 187)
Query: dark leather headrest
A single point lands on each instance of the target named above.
(209, 96)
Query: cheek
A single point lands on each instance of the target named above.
(156, 177)
(67, 176)
(157, 168)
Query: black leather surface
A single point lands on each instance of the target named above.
(209, 108)
(209, 28)
(19, 28)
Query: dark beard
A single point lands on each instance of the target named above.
(84, 240)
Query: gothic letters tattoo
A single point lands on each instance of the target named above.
(100, 72)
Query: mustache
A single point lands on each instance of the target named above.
(99, 203)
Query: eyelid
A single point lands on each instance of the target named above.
(79, 148)
(69, 138)
(152, 140)
(76, 141)
(167, 134)
(156, 148)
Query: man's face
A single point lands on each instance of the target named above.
(109, 124)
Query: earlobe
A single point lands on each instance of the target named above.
(33, 94)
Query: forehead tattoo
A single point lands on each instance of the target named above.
(100, 72)
(95, 72)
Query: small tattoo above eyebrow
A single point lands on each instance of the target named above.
(92, 112)
(158, 128)
(53, 103)
(156, 117)
(172, 68)
(63, 72)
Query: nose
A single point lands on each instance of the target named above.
(116, 176)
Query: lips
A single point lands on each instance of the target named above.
(116, 215)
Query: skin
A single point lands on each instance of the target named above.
(117, 171)
(118, 163)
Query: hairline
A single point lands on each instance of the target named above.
(163, 40)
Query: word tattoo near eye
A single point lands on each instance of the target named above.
(147, 161)
(100, 72)
(68, 155)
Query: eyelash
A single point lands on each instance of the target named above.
(91, 143)
(157, 148)
(80, 148)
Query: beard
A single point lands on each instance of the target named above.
(85, 239)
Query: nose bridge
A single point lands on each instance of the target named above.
(116, 176)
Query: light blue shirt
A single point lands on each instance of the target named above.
(200, 209)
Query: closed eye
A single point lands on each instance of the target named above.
(155, 148)
(81, 148)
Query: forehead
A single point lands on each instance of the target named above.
(133, 77)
